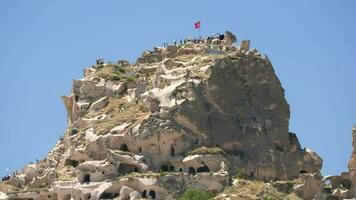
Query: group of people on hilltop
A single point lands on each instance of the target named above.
(99, 61)
(199, 40)
(5, 178)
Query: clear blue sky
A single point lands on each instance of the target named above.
(44, 45)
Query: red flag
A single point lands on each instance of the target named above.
(197, 25)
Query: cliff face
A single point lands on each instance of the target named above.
(352, 164)
(199, 113)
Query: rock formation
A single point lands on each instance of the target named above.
(189, 115)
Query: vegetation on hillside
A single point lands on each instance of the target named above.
(196, 194)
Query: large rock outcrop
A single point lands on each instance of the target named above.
(188, 115)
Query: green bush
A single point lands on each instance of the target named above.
(162, 173)
(74, 131)
(115, 77)
(118, 69)
(241, 174)
(207, 150)
(196, 194)
(130, 79)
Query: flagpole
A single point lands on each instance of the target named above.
(199, 31)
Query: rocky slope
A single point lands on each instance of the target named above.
(207, 114)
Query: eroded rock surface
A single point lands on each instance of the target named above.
(190, 115)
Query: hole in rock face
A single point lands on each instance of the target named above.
(346, 184)
(140, 149)
(303, 171)
(123, 147)
(172, 151)
(191, 170)
(76, 99)
(86, 178)
(164, 168)
(167, 167)
(72, 163)
(203, 169)
(144, 194)
(152, 194)
(107, 195)
(180, 170)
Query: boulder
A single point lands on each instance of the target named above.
(125, 192)
(312, 186)
(216, 41)
(135, 195)
(245, 45)
(99, 104)
(229, 37)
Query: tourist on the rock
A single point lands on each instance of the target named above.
(221, 36)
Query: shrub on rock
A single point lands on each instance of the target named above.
(196, 194)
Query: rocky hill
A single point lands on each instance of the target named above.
(204, 114)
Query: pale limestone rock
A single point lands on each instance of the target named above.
(125, 192)
(182, 98)
(312, 186)
(245, 45)
(215, 41)
(99, 104)
(229, 38)
(95, 171)
(213, 162)
(135, 195)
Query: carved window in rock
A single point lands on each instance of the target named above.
(76, 98)
(168, 167)
(172, 151)
(191, 170)
(86, 178)
(124, 147)
(152, 194)
(303, 171)
(107, 195)
(203, 169)
(144, 194)
(72, 163)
